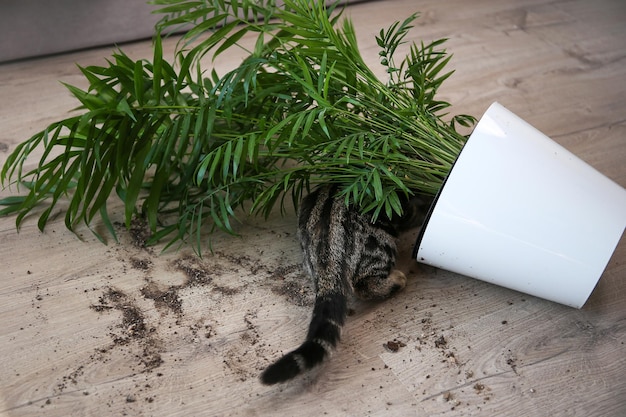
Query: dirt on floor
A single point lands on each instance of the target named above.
(183, 301)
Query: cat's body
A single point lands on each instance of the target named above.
(343, 252)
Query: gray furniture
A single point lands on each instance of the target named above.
(30, 28)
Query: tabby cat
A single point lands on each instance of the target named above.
(344, 252)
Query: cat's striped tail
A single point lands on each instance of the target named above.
(329, 315)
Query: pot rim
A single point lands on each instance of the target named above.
(431, 209)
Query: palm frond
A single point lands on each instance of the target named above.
(187, 151)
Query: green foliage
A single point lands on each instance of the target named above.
(186, 151)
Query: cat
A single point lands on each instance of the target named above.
(344, 253)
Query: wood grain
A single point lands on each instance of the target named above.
(89, 329)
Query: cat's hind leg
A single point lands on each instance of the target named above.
(380, 286)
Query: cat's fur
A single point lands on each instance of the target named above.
(344, 252)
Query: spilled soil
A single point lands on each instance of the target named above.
(160, 311)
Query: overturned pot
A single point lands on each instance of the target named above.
(520, 211)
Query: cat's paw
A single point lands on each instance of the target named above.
(396, 280)
(380, 287)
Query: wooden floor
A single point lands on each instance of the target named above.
(88, 329)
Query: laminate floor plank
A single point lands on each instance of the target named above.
(89, 329)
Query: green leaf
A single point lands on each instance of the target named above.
(215, 160)
(134, 184)
(238, 157)
(230, 41)
(151, 204)
(124, 107)
(377, 184)
(226, 159)
(138, 77)
(157, 67)
(209, 24)
(322, 121)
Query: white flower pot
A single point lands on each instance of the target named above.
(520, 211)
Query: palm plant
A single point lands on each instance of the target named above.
(186, 150)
